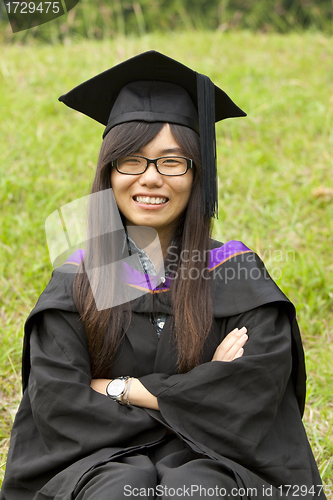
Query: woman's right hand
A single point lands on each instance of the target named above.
(231, 346)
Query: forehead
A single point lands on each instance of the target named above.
(163, 143)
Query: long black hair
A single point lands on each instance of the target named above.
(190, 291)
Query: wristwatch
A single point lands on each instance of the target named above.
(117, 388)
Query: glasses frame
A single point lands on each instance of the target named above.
(189, 164)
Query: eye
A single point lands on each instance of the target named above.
(132, 161)
(170, 162)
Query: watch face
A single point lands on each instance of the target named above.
(116, 387)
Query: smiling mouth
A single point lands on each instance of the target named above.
(147, 200)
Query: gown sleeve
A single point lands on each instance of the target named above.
(230, 407)
(73, 419)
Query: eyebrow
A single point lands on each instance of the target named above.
(168, 151)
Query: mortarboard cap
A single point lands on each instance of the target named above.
(153, 87)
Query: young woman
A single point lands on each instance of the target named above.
(194, 387)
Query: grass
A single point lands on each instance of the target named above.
(275, 170)
(109, 18)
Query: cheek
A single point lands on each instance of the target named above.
(119, 183)
(185, 189)
(114, 179)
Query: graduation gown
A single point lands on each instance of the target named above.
(244, 414)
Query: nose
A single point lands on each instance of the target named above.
(151, 177)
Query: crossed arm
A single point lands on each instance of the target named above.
(229, 349)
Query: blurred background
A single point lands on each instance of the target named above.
(275, 60)
(108, 18)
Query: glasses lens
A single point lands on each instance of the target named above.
(131, 164)
(168, 165)
(172, 165)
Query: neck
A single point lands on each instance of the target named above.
(145, 238)
(165, 242)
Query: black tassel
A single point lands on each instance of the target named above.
(206, 111)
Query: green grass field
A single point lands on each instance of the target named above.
(275, 178)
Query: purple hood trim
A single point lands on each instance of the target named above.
(141, 280)
(218, 255)
(149, 282)
(76, 257)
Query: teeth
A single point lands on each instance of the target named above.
(150, 201)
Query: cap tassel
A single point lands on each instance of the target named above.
(206, 111)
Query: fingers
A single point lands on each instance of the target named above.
(239, 354)
(232, 346)
(236, 349)
(238, 331)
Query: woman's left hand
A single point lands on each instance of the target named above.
(137, 396)
(231, 346)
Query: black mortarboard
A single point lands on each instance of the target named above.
(153, 87)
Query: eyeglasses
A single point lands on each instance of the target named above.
(165, 165)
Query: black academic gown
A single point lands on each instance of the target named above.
(244, 414)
